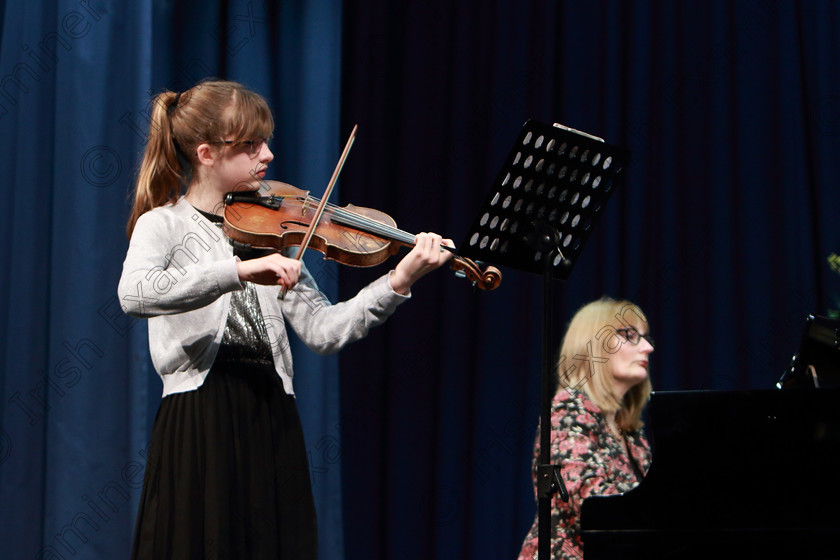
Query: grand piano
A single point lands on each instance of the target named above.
(740, 474)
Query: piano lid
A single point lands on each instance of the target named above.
(732, 471)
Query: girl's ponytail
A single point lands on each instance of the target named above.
(161, 173)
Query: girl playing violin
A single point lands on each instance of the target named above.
(227, 472)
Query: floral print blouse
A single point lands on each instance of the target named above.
(593, 462)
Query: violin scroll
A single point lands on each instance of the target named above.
(488, 278)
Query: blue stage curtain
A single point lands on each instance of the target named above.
(78, 390)
(724, 230)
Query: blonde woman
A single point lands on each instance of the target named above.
(596, 426)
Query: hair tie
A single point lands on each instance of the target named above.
(174, 104)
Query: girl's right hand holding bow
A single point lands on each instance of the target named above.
(272, 270)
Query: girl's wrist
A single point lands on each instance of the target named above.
(399, 282)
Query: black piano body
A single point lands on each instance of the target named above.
(741, 474)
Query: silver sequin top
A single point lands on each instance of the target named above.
(245, 335)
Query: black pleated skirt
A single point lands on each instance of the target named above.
(227, 475)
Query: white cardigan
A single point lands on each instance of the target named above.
(179, 272)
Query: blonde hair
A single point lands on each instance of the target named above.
(592, 334)
(210, 111)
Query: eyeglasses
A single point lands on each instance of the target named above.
(633, 336)
(253, 146)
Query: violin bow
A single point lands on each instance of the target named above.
(323, 204)
(316, 218)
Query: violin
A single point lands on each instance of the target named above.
(279, 215)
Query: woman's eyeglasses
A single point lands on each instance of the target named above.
(633, 336)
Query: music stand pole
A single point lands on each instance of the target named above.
(549, 480)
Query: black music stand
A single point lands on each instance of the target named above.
(537, 217)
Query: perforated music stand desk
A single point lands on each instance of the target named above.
(537, 217)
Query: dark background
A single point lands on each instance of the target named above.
(723, 231)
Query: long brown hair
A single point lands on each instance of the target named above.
(591, 333)
(210, 111)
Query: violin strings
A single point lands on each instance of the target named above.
(369, 225)
(375, 227)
